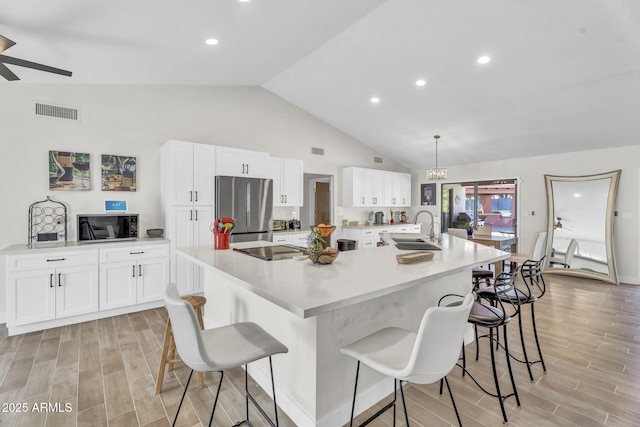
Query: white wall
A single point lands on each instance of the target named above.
(533, 202)
(136, 121)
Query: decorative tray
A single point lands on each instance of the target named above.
(413, 257)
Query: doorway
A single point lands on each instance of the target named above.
(318, 201)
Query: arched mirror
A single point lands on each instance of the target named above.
(580, 225)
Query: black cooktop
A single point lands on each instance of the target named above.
(276, 252)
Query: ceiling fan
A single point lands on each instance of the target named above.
(5, 44)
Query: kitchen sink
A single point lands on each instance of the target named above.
(419, 245)
(406, 240)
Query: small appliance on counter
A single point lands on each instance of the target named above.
(379, 218)
(280, 224)
(107, 227)
(294, 224)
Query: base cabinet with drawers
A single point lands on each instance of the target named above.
(51, 287)
(291, 238)
(57, 286)
(129, 276)
(368, 237)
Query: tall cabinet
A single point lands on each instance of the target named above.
(188, 171)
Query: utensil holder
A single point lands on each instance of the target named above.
(221, 240)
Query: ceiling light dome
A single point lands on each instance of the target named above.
(211, 41)
(421, 82)
(375, 99)
(484, 59)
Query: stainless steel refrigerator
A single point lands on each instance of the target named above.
(249, 201)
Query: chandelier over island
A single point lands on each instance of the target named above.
(436, 173)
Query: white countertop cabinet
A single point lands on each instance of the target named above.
(368, 236)
(287, 176)
(55, 285)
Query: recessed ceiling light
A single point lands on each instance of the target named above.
(421, 82)
(483, 60)
(243, 1)
(375, 100)
(212, 41)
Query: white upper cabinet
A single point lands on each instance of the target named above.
(397, 189)
(287, 176)
(362, 187)
(188, 171)
(238, 162)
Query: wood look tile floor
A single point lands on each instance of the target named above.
(104, 372)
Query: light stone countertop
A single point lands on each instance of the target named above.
(24, 249)
(306, 289)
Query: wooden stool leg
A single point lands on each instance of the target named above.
(163, 358)
(201, 322)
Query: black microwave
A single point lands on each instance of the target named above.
(107, 227)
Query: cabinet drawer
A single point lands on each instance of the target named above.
(300, 239)
(133, 252)
(280, 238)
(51, 260)
(368, 233)
(368, 242)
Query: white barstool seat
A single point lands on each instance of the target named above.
(219, 348)
(535, 253)
(421, 357)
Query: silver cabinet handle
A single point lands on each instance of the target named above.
(55, 259)
(133, 271)
(247, 169)
(196, 215)
(51, 280)
(286, 198)
(136, 253)
(59, 279)
(139, 270)
(196, 195)
(363, 200)
(191, 196)
(243, 168)
(191, 215)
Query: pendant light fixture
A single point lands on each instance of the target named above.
(436, 173)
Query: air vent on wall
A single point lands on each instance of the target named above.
(319, 151)
(377, 160)
(56, 111)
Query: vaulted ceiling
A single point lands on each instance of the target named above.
(563, 75)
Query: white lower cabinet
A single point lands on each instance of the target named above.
(141, 278)
(53, 287)
(297, 239)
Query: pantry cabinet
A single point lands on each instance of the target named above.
(238, 162)
(188, 226)
(287, 176)
(188, 190)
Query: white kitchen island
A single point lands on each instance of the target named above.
(317, 309)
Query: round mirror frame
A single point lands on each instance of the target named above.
(612, 277)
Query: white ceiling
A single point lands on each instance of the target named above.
(564, 75)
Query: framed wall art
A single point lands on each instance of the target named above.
(69, 171)
(118, 173)
(428, 194)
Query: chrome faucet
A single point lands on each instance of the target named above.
(431, 232)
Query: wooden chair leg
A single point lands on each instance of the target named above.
(168, 358)
(163, 358)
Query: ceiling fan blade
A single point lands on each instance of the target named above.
(7, 73)
(5, 43)
(34, 65)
